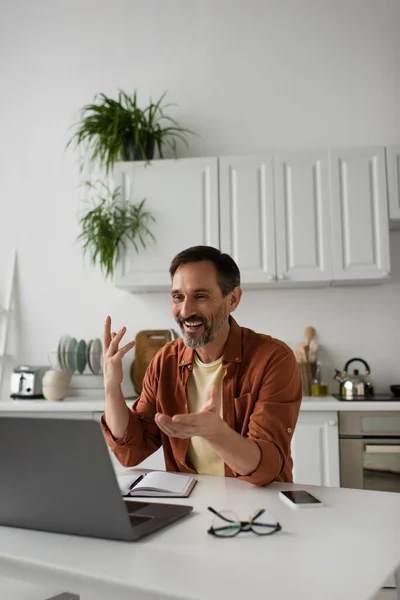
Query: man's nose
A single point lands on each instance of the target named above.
(187, 309)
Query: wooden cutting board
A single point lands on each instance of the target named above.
(148, 343)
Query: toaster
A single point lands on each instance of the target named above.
(27, 382)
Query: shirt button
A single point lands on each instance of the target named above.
(186, 406)
(237, 358)
(289, 430)
(190, 367)
(183, 362)
(182, 463)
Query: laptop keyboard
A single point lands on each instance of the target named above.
(135, 520)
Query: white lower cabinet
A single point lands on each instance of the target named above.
(315, 449)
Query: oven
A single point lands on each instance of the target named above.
(369, 445)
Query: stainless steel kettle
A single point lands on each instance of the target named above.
(354, 385)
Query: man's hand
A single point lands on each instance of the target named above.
(207, 423)
(112, 356)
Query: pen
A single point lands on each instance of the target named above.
(135, 482)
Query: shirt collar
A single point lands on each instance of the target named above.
(232, 351)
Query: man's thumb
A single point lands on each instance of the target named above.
(212, 400)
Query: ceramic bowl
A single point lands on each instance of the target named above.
(55, 393)
(57, 378)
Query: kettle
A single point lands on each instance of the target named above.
(354, 385)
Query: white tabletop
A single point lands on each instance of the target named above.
(345, 549)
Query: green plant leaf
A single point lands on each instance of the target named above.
(107, 227)
(111, 129)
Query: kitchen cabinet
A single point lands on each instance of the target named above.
(315, 449)
(288, 218)
(360, 225)
(182, 196)
(302, 216)
(393, 173)
(274, 213)
(247, 216)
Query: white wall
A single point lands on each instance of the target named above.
(247, 76)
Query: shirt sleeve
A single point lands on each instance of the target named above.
(274, 418)
(142, 436)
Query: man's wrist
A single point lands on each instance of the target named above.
(113, 390)
(216, 436)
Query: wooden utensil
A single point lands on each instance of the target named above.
(312, 346)
(148, 343)
(301, 353)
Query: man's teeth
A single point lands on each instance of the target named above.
(193, 323)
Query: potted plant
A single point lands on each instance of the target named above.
(114, 130)
(107, 226)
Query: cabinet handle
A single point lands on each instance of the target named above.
(332, 422)
(282, 277)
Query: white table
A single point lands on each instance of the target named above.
(346, 549)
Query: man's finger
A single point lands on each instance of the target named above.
(113, 346)
(212, 404)
(170, 427)
(122, 351)
(107, 332)
(190, 421)
(171, 431)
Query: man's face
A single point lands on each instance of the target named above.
(198, 305)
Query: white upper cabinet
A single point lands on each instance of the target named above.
(393, 172)
(360, 227)
(247, 216)
(302, 216)
(182, 196)
(288, 218)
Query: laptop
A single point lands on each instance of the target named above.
(56, 475)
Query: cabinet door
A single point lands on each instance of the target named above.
(359, 214)
(247, 216)
(302, 216)
(393, 172)
(182, 196)
(315, 449)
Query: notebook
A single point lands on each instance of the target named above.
(157, 484)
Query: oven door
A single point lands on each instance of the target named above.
(370, 463)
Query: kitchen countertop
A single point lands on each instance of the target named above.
(96, 404)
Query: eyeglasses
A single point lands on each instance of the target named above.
(227, 524)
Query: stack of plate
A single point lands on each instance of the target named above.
(78, 356)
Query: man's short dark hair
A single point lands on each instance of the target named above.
(228, 274)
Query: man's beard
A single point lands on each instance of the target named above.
(211, 327)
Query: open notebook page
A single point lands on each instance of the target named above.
(157, 481)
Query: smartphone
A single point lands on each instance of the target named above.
(299, 499)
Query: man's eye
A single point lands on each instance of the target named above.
(177, 298)
(201, 297)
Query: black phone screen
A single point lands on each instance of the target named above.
(301, 497)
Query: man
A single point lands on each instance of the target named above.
(223, 400)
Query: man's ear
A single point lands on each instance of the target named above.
(236, 295)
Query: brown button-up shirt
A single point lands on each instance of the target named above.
(261, 400)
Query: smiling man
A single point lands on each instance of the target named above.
(223, 400)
